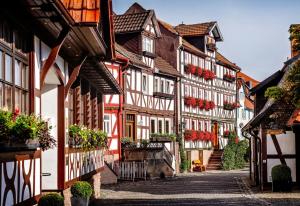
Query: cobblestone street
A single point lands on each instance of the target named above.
(210, 188)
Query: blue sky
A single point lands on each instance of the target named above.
(255, 31)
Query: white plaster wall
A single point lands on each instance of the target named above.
(286, 143)
(49, 112)
(291, 163)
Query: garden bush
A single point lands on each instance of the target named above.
(234, 155)
(281, 178)
(51, 199)
(81, 189)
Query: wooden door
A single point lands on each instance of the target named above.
(216, 139)
(130, 126)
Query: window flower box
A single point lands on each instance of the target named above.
(163, 95)
(229, 106)
(24, 132)
(192, 135)
(228, 77)
(158, 137)
(82, 137)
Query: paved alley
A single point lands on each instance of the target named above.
(210, 188)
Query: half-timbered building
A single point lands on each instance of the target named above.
(274, 130)
(50, 65)
(207, 100)
(149, 86)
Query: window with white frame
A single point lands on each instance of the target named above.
(144, 83)
(160, 126)
(156, 85)
(148, 44)
(167, 126)
(106, 124)
(162, 86)
(153, 126)
(168, 87)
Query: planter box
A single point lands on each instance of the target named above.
(77, 201)
(160, 139)
(225, 78)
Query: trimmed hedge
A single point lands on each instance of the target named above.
(81, 189)
(51, 199)
(281, 178)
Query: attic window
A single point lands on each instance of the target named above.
(148, 44)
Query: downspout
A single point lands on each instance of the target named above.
(250, 157)
(125, 64)
(257, 139)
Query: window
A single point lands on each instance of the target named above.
(162, 86)
(106, 124)
(14, 70)
(193, 125)
(144, 83)
(160, 126)
(153, 126)
(167, 125)
(168, 87)
(156, 85)
(148, 44)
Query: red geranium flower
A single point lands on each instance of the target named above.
(200, 103)
(192, 69)
(193, 102)
(199, 71)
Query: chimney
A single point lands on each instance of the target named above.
(295, 39)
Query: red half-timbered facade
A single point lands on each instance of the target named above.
(47, 67)
(149, 81)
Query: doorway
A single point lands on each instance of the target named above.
(215, 132)
(130, 127)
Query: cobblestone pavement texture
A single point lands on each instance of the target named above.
(191, 189)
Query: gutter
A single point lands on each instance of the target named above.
(259, 181)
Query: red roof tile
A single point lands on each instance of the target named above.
(165, 67)
(195, 29)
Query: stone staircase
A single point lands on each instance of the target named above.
(214, 162)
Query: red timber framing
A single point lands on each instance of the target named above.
(53, 54)
(116, 108)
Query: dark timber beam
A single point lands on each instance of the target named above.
(53, 54)
(74, 76)
(278, 149)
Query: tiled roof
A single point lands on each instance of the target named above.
(245, 78)
(191, 48)
(134, 59)
(225, 61)
(194, 29)
(168, 26)
(130, 22)
(164, 67)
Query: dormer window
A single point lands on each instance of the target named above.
(148, 44)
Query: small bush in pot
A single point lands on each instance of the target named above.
(81, 192)
(51, 199)
(6, 123)
(281, 178)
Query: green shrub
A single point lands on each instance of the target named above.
(51, 199)
(6, 123)
(281, 178)
(234, 155)
(241, 150)
(144, 143)
(125, 140)
(228, 162)
(274, 92)
(81, 189)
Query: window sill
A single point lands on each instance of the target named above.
(164, 95)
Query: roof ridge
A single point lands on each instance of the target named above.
(209, 22)
(147, 11)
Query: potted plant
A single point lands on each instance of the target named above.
(6, 123)
(281, 178)
(81, 192)
(51, 199)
